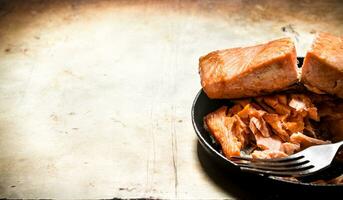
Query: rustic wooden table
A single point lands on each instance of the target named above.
(96, 95)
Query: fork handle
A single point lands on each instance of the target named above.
(338, 144)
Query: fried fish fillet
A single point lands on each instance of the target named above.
(249, 71)
(322, 71)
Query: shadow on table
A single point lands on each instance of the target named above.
(246, 186)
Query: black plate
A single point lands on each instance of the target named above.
(202, 106)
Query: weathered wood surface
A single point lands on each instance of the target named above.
(96, 95)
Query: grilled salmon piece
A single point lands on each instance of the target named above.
(276, 122)
(305, 141)
(250, 71)
(322, 70)
(223, 130)
(290, 148)
(268, 154)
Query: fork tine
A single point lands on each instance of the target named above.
(277, 173)
(273, 164)
(302, 166)
(286, 159)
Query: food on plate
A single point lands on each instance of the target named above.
(272, 126)
(274, 114)
(249, 71)
(322, 71)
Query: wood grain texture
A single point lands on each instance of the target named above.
(96, 95)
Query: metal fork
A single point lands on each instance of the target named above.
(304, 163)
